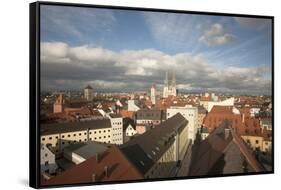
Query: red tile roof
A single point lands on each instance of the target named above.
(118, 168)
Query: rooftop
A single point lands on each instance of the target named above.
(145, 149)
(223, 152)
(151, 114)
(112, 165)
(55, 128)
(86, 150)
(88, 87)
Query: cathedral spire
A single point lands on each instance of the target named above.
(166, 81)
(174, 79)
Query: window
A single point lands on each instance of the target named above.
(46, 155)
(57, 137)
(79, 134)
(104, 131)
(46, 163)
(95, 138)
(104, 136)
(99, 131)
(95, 132)
(74, 135)
(68, 135)
(43, 139)
(99, 137)
(62, 136)
(257, 141)
(108, 130)
(50, 138)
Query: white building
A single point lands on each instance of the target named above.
(88, 93)
(190, 114)
(254, 111)
(47, 162)
(170, 90)
(116, 128)
(153, 94)
(132, 106)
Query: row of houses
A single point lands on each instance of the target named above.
(153, 154)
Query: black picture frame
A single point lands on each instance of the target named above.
(34, 91)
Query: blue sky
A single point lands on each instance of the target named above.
(221, 42)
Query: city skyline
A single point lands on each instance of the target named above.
(129, 51)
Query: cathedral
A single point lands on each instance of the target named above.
(170, 90)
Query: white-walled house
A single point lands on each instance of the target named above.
(132, 106)
(47, 161)
(116, 128)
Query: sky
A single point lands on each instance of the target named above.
(125, 51)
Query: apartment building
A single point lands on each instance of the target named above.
(189, 113)
(60, 135)
(156, 153)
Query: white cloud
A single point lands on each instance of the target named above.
(216, 35)
(137, 70)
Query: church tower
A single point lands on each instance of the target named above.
(166, 87)
(88, 93)
(174, 85)
(153, 94)
(59, 105)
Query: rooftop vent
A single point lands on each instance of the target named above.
(142, 163)
(94, 177)
(226, 133)
(106, 171)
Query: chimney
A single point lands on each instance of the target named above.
(243, 118)
(106, 171)
(226, 133)
(94, 177)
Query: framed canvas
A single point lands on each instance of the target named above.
(123, 94)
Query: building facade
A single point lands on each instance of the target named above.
(190, 114)
(88, 93)
(47, 161)
(60, 104)
(153, 94)
(146, 118)
(170, 90)
(60, 135)
(156, 153)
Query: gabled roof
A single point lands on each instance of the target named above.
(223, 152)
(128, 121)
(54, 128)
(113, 160)
(145, 149)
(88, 87)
